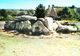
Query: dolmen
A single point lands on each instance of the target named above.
(26, 24)
(38, 26)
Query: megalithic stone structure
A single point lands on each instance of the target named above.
(48, 10)
(51, 11)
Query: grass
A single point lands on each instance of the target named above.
(18, 46)
(68, 21)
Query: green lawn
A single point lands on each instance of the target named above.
(17, 46)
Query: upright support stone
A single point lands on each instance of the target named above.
(39, 28)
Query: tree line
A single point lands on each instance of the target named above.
(67, 13)
(10, 14)
(70, 13)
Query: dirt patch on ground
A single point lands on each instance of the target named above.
(14, 46)
(17, 34)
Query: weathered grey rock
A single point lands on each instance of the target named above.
(2, 24)
(66, 29)
(12, 25)
(25, 18)
(56, 25)
(49, 23)
(29, 17)
(41, 19)
(23, 25)
(39, 28)
(26, 25)
(18, 25)
(13, 31)
(7, 25)
(77, 25)
(72, 28)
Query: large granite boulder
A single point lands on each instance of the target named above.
(78, 28)
(23, 26)
(77, 25)
(56, 25)
(25, 18)
(12, 26)
(7, 25)
(67, 29)
(2, 24)
(26, 25)
(19, 25)
(49, 23)
(38, 28)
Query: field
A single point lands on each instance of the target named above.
(18, 46)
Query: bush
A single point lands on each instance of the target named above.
(9, 17)
(1, 18)
(6, 15)
(40, 11)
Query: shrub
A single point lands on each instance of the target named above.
(40, 11)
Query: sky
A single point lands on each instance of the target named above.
(32, 4)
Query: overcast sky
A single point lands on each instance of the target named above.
(31, 4)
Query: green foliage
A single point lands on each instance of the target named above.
(9, 17)
(10, 14)
(21, 13)
(69, 13)
(40, 11)
(72, 7)
(3, 13)
(6, 15)
(64, 13)
(1, 18)
(30, 12)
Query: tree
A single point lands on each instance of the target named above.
(3, 13)
(73, 6)
(30, 12)
(65, 13)
(6, 15)
(52, 6)
(21, 13)
(40, 11)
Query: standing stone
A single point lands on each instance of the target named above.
(26, 25)
(39, 28)
(23, 26)
(12, 26)
(48, 10)
(49, 23)
(55, 25)
(53, 12)
(7, 25)
(17, 27)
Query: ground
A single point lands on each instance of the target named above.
(19, 46)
